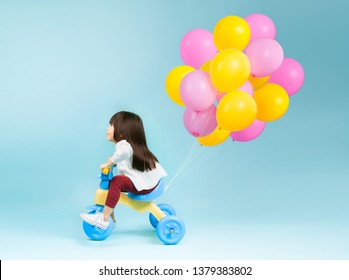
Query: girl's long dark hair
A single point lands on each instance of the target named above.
(129, 126)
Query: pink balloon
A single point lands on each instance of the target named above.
(249, 133)
(290, 76)
(196, 47)
(197, 91)
(261, 26)
(247, 87)
(220, 96)
(200, 123)
(265, 55)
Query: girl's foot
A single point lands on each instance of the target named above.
(95, 220)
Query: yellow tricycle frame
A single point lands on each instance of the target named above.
(139, 206)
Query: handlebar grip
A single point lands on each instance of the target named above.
(105, 171)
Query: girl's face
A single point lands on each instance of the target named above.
(110, 133)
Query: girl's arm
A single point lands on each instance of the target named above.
(108, 164)
(123, 150)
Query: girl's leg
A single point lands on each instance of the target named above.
(107, 211)
(117, 185)
(112, 215)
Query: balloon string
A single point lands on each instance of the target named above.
(196, 152)
(197, 156)
(190, 157)
(202, 158)
(184, 163)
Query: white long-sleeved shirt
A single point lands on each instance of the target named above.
(145, 180)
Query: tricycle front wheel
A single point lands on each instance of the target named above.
(96, 233)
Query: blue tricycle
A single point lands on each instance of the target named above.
(169, 228)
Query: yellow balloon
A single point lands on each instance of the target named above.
(231, 32)
(229, 70)
(206, 66)
(173, 82)
(236, 111)
(214, 138)
(272, 102)
(258, 82)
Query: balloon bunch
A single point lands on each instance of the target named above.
(241, 68)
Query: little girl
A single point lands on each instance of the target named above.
(139, 169)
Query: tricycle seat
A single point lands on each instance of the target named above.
(150, 196)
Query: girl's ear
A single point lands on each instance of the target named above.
(120, 137)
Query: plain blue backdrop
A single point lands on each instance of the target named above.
(67, 66)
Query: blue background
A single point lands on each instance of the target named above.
(67, 66)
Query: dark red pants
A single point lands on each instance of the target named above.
(120, 184)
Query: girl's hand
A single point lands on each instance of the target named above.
(107, 164)
(104, 165)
